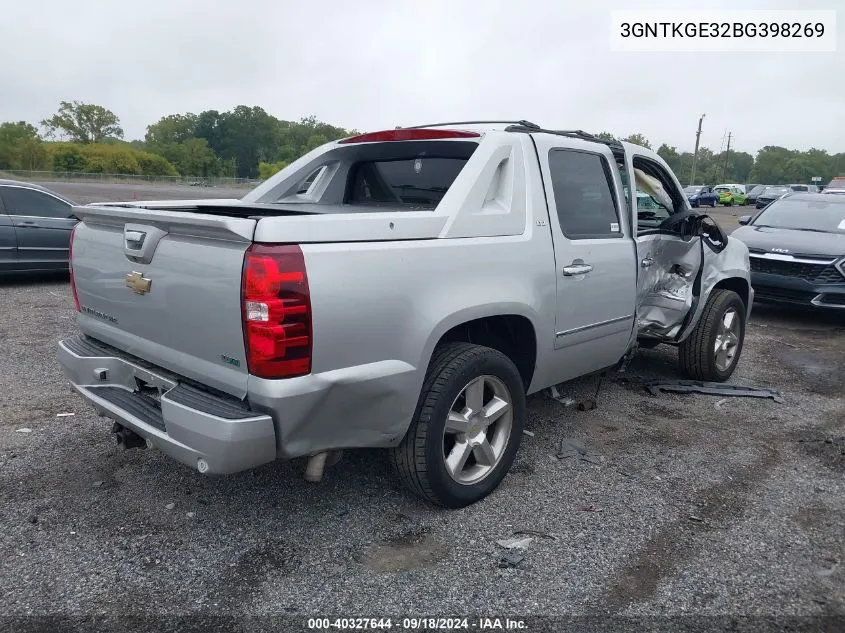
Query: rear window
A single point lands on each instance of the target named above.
(421, 181)
(368, 177)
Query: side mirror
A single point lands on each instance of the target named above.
(745, 219)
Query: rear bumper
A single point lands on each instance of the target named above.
(787, 290)
(187, 422)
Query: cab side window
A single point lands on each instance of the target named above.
(32, 203)
(584, 195)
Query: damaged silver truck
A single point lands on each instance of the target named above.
(404, 290)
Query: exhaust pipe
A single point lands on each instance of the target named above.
(315, 467)
(317, 464)
(127, 438)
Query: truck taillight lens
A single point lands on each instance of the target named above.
(276, 311)
(70, 267)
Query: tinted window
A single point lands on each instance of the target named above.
(417, 182)
(19, 201)
(584, 199)
(800, 188)
(827, 214)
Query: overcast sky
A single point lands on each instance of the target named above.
(375, 64)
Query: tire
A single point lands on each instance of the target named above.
(697, 354)
(420, 460)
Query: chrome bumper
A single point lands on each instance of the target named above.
(212, 432)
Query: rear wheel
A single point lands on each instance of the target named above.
(711, 352)
(467, 427)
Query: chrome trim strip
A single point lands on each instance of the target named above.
(584, 328)
(817, 301)
(42, 248)
(790, 258)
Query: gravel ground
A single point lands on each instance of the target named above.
(691, 504)
(86, 192)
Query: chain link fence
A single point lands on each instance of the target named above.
(73, 176)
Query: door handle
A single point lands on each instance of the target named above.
(578, 267)
(29, 223)
(647, 262)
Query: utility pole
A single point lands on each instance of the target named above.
(727, 153)
(695, 154)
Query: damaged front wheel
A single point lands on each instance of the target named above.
(711, 352)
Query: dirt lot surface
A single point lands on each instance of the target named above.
(684, 504)
(87, 192)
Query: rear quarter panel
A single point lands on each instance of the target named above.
(380, 307)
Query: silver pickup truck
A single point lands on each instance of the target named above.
(402, 289)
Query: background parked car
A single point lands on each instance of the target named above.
(753, 193)
(837, 184)
(749, 187)
(797, 250)
(730, 195)
(770, 194)
(35, 227)
(800, 187)
(739, 186)
(699, 195)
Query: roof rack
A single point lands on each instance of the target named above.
(522, 123)
(580, 134)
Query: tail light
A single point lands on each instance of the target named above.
(276, 311)
(70, 267)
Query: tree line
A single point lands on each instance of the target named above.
(248, 142)
(772, 164)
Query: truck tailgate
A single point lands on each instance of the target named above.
(166, 287)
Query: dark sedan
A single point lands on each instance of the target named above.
(797, 250)
(755, 193)
(35, 227)
(770, 194)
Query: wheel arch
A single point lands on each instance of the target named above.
(510, 329)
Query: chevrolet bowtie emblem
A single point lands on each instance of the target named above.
(139, 284)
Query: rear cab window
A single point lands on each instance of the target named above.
(375, 176)
(419, 181)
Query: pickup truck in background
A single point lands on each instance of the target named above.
(403, 289)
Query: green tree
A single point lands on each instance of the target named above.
(208, 127)
(637, 139)
(738, 169)
(83, 122)
(249, 135)
(266, 170)
(30, 154)
(68, 158)
(151, 164)
(198, 159)
(606, 136)
(174, 128)
(770, 165)
(14, 138)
